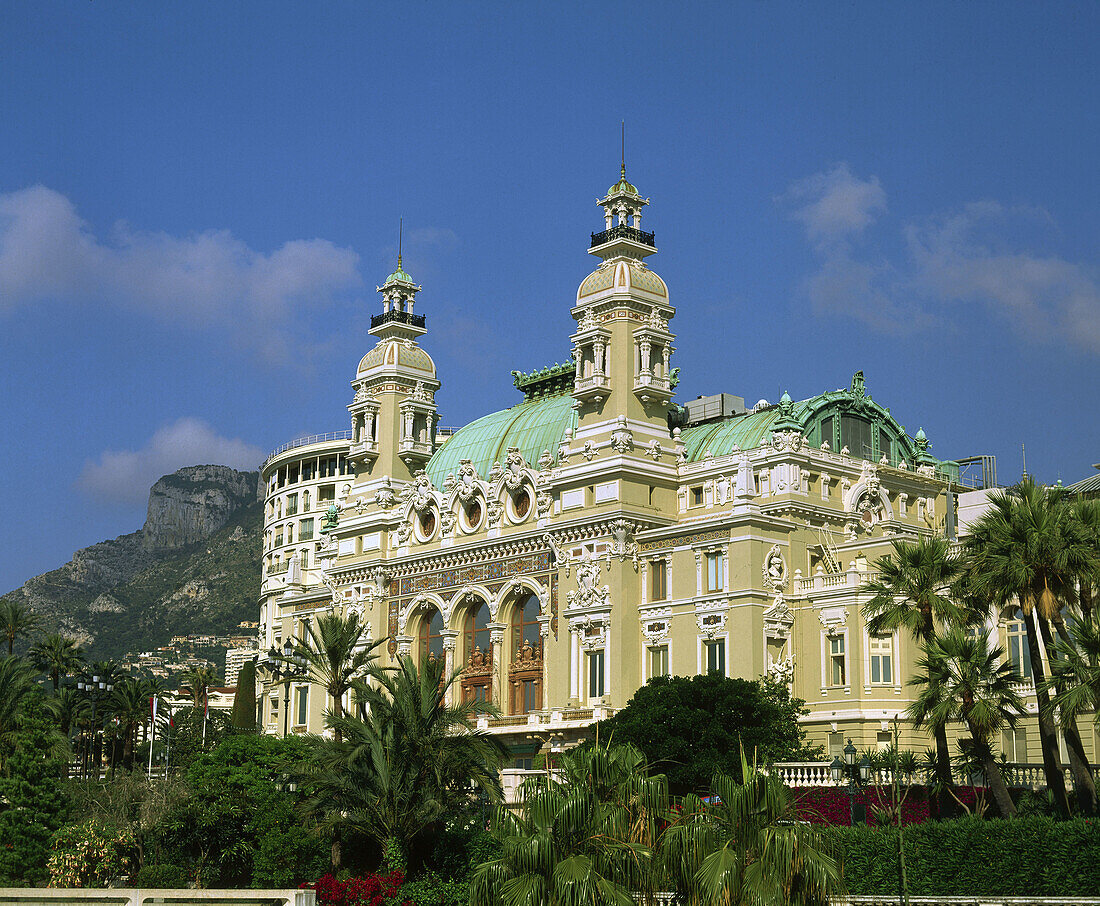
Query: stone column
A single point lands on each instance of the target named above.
(450, 643)
(496, 641)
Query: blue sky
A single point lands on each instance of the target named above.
(198, 200)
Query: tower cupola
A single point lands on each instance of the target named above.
(622, 215)
(398, 297)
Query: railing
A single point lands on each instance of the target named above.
(52, 896)
(536, 719)
(816, 773)
(306, 441)
(401, 317)
(621, 232)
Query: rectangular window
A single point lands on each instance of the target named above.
(326, 493)
(836, 745)
(827, 432)
(882, 659)
(658, 661)
(658, 580)
(884, 445)
(1014, 744)
(1018, 652)
(595, 674)
(697, 496)
(714, 577)
(838, 672)
(292, 474)
(309, 470)
(883, 741)
(303, 706)
(856, 434)
(716, 656)
(292, 505)
(305, 530)
(279, 538)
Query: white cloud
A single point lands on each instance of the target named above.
(209, 279)
(125, 476)
(836, 205)
(974, 256)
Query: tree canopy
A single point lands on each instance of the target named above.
(691, 728)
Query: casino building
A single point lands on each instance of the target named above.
(563, 551)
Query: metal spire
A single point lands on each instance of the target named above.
(400, 231)
(622, 169)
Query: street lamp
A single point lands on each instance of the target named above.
(284, 666)
(857, 776)
(97, 689)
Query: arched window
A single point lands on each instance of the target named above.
(525, 668)
(525, 626)
(431, 637)
(477, 651)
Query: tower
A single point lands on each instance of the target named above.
(623, 346)
(393, 414)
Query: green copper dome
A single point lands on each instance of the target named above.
(621, 187)
(532, 426)
(399, 276)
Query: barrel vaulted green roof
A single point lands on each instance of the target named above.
(720, 438)
(532, 426)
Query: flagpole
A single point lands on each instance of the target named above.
(153, 734)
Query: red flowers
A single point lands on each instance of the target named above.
(372, 890)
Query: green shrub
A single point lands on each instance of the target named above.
(1032, 856)
(164, 876)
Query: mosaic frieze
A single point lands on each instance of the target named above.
(478, 572)
(683, 540)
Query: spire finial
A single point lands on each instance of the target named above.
(622, 169)
(400, 231)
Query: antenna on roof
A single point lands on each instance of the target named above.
(400, 231)
(622, 169)
(1023, 453)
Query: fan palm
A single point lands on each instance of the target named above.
(586, 833)
(1025, 552)
(199, 680)
(1076, 673)
(393, 773)
(337, 654)
(129, 707)
(17, 685)
(971, 683)
(745, 847)
(58, 656)
(912, 592)
(16, 620)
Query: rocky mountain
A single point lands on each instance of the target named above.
(193, 568)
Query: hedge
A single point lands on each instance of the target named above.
(1035, 857)
(830, 805)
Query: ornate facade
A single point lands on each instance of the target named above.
(563, 551)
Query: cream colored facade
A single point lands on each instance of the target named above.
(563, 551)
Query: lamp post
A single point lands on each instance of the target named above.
(96, 689)
(857, 777)
(284, 667)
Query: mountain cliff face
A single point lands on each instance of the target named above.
(194, 567)
(193, 503)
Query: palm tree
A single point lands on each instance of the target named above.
(15, 620)
(56, 655)
(587, 832)
(912, 592)
(337, 654)
(1076, 673)
(970, 683)
(199, 680)
(1024, 553)
(129, 707)
(17, 684)
(746, 847)
(392, 774)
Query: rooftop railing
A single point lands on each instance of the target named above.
(402, 317)
(306, 441)
(621, 232)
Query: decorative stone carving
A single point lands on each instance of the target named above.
(495, 471)
(403, 532)
(494, 511)
(420, 492)
(589, 593)
(563, 447)
(654, 450)
(778, 620)
(543, 502)
(446, 523)
(467, 482)
(782, 672)
(622, 440)
(589, 451)
(545, 461)
(656, 625)
(621, 544)
(514, 465)
(825, 448)
(833, 619)
(385, 496)
(378, 582)
(787, 441)
(775, 569)
(711, 623)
